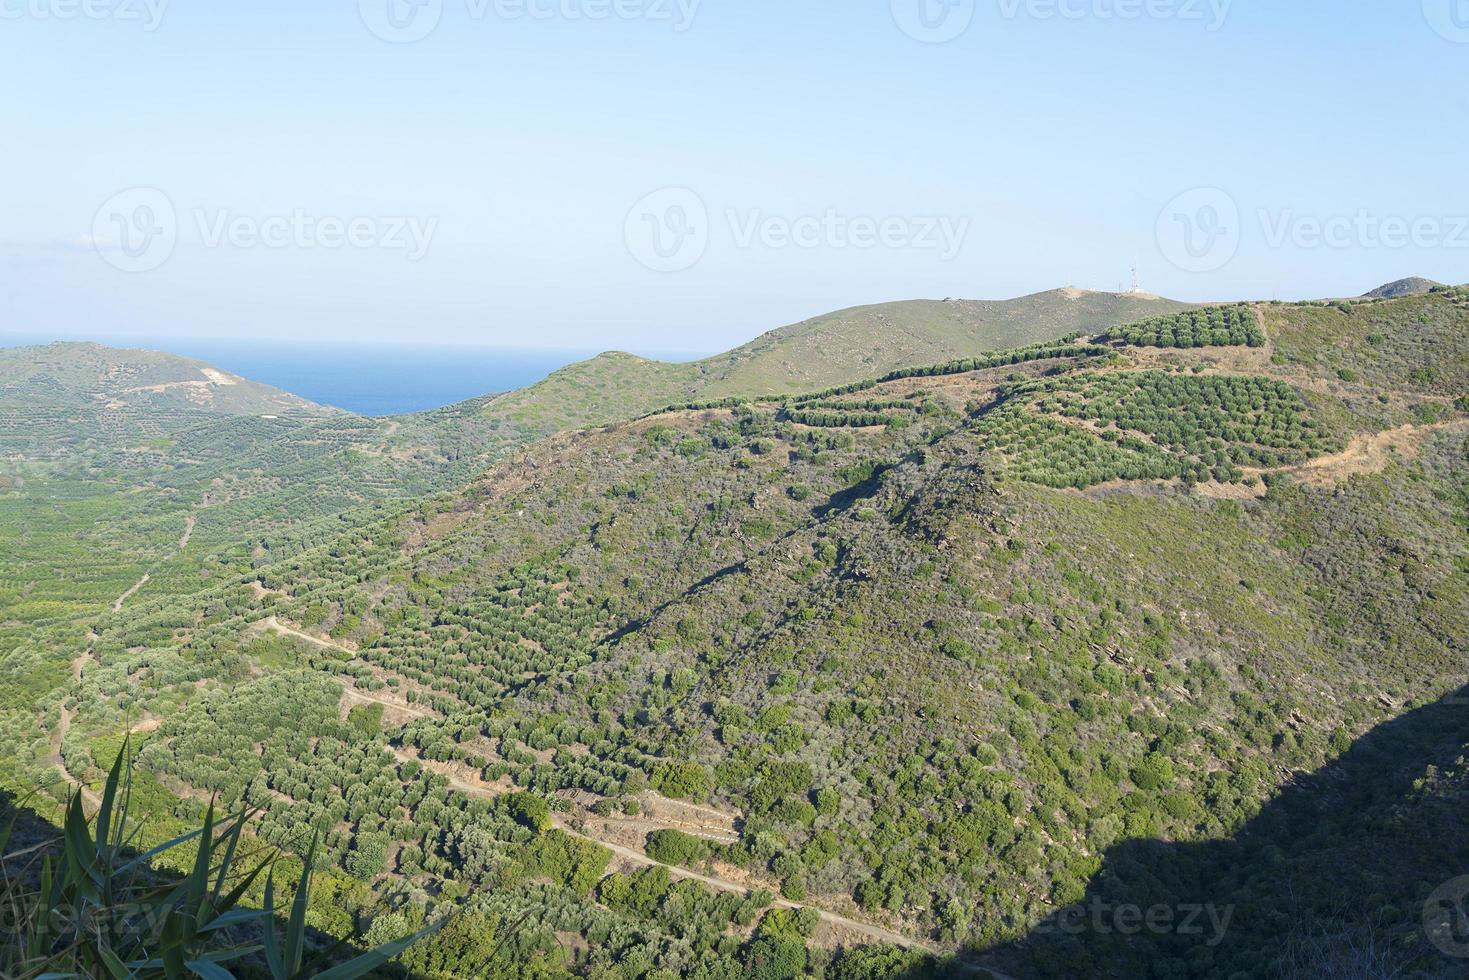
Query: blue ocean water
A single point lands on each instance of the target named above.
(369, 379)
(380, 379)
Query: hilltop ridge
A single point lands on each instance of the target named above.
(82, 373)
(1412, 286)
(823, 351)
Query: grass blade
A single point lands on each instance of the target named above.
(296, 928)
(362, 965)
(109, 799)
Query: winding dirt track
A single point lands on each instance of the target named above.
(351, 693)
(59, 736)
(627, 853)
(190, 522)
(1371, 453)
(117, 605)
(631, 855)
(719, 884)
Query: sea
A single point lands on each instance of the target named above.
(368, 379)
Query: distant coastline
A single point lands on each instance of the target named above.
(368, 379)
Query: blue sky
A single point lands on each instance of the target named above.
(492, 173)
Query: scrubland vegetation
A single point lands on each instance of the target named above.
(938, 654)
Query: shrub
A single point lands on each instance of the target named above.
(530, 810)
(683, 781)
(676, 847)
(775, 959)
(1153, 773)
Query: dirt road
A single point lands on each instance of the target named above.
(719, 884)
(190, 522)
(1370, 453)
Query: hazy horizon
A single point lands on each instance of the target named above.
(685, 175)
(14, 338)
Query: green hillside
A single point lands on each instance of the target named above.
(121, 463)
(872, 340)
(90, 375)
(131, 472)
(822, 352)
(1170, 617)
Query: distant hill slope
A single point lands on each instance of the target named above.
(828, 350)
(1142, 622)
(1412, 286)
(90, 374)
(942, 656)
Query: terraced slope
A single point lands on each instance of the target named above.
(932, 657)
(822, 352)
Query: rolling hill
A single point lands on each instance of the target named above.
(90, 375)
(118, 451)
(877, 681)
(1412, 286)
(822, 352)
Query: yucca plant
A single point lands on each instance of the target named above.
(95, 907)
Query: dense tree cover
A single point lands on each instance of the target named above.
(1086, 429)
(924, 687)
(1219, 326)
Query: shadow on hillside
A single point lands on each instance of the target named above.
(1342, 875)
(862, 490)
